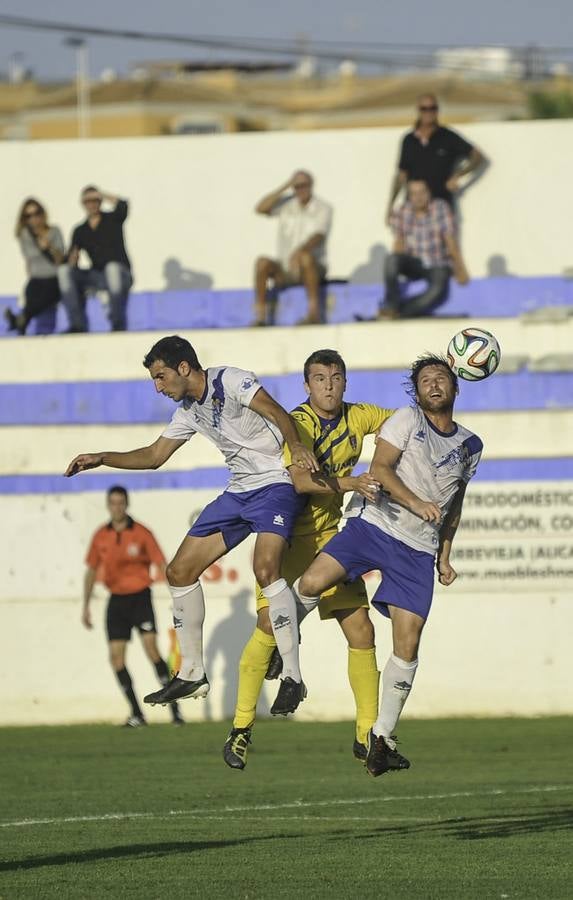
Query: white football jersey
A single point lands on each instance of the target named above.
(252, 446)
(432, 465)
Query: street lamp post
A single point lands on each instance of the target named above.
(82, 84)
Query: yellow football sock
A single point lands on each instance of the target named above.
(364, 678)
(252, 670)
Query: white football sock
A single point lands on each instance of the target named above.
(304, 605)
(188, 618)
(282, 610)
(397, 681)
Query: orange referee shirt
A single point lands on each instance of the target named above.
(124, 557)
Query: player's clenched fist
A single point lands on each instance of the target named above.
(302, 457)
(447, 574)
(82, 462)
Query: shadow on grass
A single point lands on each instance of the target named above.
(134, 851)
(482, 827)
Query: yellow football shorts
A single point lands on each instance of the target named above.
(297, 559)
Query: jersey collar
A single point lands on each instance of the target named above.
(130, 524)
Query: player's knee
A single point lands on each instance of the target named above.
(363, 632)
(266, 571)
(406, 647)
(309, 585)
(264, 621)
(358, 629)
(180, 575)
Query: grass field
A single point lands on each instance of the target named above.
(485, 811)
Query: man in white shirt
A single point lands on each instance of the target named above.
(304, 223)
(423, 462)
(232, 410)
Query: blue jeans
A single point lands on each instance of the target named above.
(403, 265)
(76, 284)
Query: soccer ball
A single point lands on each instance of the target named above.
(473, 354)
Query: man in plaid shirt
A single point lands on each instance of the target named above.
(425, 249)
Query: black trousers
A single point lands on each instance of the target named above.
(40, 294)
(413, 269)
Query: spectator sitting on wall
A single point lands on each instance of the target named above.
(42, 246)
(304, 222)
(434, 154)
(101, 237)
(425, 248)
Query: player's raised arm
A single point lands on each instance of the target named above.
(263, 404)
(447, 574)
(382, 469)
(151, 457)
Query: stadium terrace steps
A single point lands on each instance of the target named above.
(175, 310)
(372, 345)
(136, 402)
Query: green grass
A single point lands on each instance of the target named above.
(485, 811)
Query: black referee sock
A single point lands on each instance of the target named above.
(126, 683)
(163, 675)
(162, 671)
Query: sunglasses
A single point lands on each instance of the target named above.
(33, 213)
(428, 108)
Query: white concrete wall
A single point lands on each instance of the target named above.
(193, 197)
(497, 642)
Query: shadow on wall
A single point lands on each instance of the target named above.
(228, 640)
(470, 181)
(177, 278)
(497, 267)
(371, 271)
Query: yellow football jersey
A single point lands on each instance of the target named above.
(337, 445)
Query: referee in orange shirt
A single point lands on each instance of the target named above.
(125, 551)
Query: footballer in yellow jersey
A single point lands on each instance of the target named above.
(334, 431)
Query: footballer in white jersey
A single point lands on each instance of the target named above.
(422, 463)
(231, 408)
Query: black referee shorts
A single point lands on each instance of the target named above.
(127, 611)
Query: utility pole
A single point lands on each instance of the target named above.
(82, 84)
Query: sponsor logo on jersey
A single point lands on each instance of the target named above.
(177, 623)
(132, 549)
(420, 436)
(278, 520)
(246, 383)
(454, 458)
(353, 441)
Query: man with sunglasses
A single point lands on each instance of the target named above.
(434, 154)
(304, 223)
(100, 236)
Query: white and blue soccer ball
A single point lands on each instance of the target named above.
(474, 354)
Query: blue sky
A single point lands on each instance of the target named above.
(514, 22)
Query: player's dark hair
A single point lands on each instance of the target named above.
(88, 188)
(118, 489)
(172, 351)
(427, 359)
(324, 358)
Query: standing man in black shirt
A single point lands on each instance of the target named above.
(101, 237)
(434, 154)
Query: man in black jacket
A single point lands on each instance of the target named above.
(434, 154)
(100, 236)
